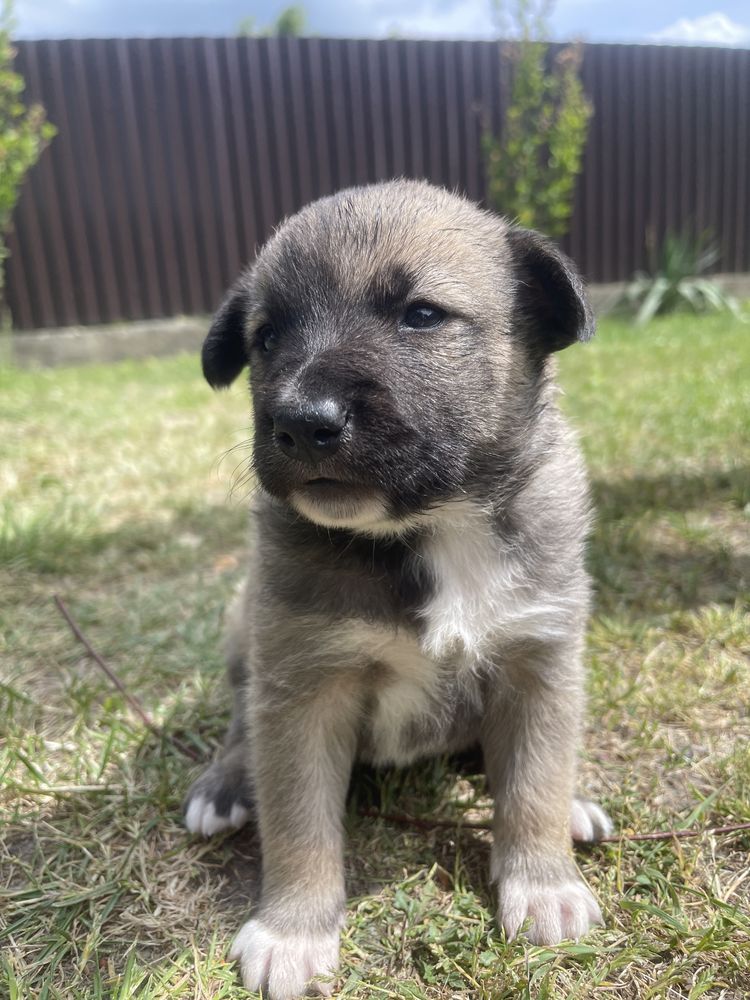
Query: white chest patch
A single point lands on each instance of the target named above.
(483, 596)
(404, 693)
(483, 593)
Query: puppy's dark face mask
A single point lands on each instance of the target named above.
(396, 337)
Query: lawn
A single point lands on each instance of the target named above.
(124, 492)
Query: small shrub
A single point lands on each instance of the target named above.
(676, 281)
(24, 132)
(533, 164)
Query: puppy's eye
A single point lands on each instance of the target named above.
(267, 338)
(422, 316)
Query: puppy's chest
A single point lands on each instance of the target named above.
(425, 682)
(413, 705)
(428, 649)
(484, 594)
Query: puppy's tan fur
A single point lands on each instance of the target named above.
(431, 592)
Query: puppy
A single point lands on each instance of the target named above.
(417, 579)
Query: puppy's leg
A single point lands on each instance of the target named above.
(222, 796)
(530, 736)
(303, 750)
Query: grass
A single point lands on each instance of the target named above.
(116, 497)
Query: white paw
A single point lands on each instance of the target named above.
(202, 818)
(557, 912)
(588, 822)
(283, 965)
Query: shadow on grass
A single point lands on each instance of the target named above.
(69, 541)
(645, 557)
(421, 789)
(677, 492)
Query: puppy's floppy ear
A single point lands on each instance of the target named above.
(551, 301)
(224, 353)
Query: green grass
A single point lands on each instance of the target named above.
(116, 496)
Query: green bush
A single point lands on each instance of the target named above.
(533, 164)
(24, 132)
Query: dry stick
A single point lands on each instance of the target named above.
(711, 831)
(448, 824)
(131, 699)
(372, 813)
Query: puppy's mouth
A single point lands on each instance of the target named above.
(340, 503)
(325, 486)
(327, 493)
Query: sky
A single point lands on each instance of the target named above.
(666, 21)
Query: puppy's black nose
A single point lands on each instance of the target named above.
(310, 432)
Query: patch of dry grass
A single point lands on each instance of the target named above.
(114, 496)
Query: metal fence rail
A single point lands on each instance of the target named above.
(176, 157)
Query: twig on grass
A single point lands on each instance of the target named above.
(710, 831)
(422, 823)
(131, 699)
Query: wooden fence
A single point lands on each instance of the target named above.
(176, 157)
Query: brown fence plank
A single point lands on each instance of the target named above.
(741, 258)
(20, 282)
(178, 180)
(395, 84)
(279, 126)
(414, 102)
(354, 84)
(149, 98)
(133, 156)
(88, 165)
(239, 154)
(220, 164)
(471, 134)
(303, 154)
(260, 154)
(317, 84)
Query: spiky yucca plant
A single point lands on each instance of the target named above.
(676, 280)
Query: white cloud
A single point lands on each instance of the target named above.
(712, 29)
(456, 19)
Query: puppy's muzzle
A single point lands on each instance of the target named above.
(311, 431)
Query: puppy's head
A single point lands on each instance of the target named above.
(396, 336)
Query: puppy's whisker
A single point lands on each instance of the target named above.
(246, 444)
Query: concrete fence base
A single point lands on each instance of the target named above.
(156, 338)
(80, 345)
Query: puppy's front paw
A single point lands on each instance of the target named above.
(221, 798)
(555, 899)
(202, 818)
(284, 965)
